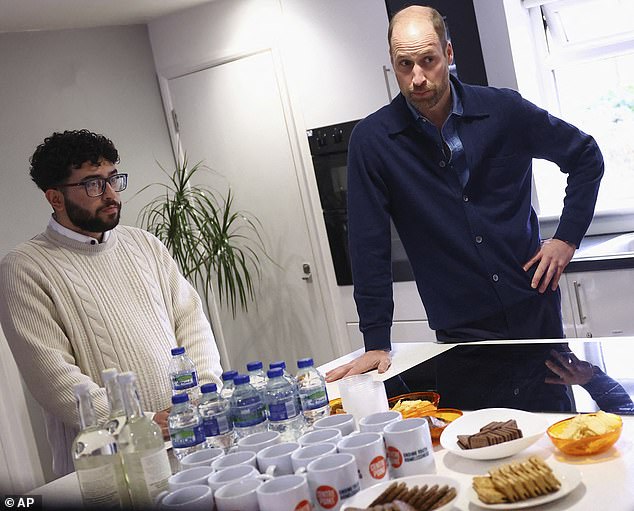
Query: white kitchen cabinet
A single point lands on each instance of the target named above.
(336, 53)
(598, 303)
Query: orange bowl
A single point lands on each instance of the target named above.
(448, 415)
(586, 446)
(432, 397)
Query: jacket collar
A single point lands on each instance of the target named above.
(400, 117)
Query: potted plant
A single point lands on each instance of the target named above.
(210, 241)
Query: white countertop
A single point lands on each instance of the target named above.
(607, 479)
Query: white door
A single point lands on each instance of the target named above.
(232, 115)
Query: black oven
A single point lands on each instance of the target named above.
(329, 149)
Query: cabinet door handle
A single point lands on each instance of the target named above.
(386, 71)
(576, 285)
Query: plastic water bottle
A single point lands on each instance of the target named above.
(98, 463)
(312, 391)
(247, 408)
(227, 384)
(185, 426)
(216, 416)
(183, 374)
(289, 377)
(257, 378)
(281, 404)
(117, 418)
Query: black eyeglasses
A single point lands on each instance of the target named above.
(95, 186)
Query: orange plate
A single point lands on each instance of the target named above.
(584, 446)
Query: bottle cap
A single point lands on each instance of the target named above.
(275, 372)
(208, 388)
(229, 375)
(241, 379)
(108, 374)
(178, 351)
(254, 366)
(179, 398)
(81, 388)
(304, 362)
(279, 363)
(126, 377)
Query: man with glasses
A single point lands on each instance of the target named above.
(88, 294)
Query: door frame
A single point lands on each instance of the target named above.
(323, 272)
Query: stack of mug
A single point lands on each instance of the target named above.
(323, 469)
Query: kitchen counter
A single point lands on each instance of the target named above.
(606, 478)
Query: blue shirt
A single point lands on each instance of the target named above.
(447, 139)
(466, 244)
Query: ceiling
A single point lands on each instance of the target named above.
(22, 15)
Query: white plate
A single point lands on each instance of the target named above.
(532, 426)
(570, 478)
(365, 497)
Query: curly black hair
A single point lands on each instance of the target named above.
(54, 159)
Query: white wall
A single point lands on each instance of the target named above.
(101, 79)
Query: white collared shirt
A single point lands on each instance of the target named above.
(65, 231)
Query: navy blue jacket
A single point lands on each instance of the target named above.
(466, 246)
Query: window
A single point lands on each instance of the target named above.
(585, 50)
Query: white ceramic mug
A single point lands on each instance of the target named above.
(189, 477)
(231, 474)
(285, 493)
(409, 447)
(258, 441)
(344, 422)
(276, 459)
(201, 458)
(239, 495)
(234, 458)
(304, 455)
(375, 422)
(369, 452)
(365, 398)
(197, 497)
(319, 436)
(332, 480)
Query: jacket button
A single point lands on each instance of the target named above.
(441, 164)
(495, 277)
(478, 239)
(465, 198)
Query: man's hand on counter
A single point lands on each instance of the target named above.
(161, 419)
(374, 359)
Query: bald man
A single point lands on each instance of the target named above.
(450, 165)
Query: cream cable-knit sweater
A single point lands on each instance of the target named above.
(70, 309)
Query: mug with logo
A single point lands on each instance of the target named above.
(197, 497)
(202, 458)
(257, 441)
(344, 422)
(189, 477)
(234, 458)
(332, 480)
(369, 452)
(319, 436)
(285, 493)
(377, 421)
(304, 455)
(409, 448)
(236, 473)
(276, 459)
(239, 495)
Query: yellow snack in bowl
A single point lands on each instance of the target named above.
(590, 424)
(413, 408)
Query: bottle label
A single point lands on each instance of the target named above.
(250, 412)
(316, 398)
(184, 381)
(188, 437)
(282, 410)
(217, 425)
(156, 471)
(98, 487)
